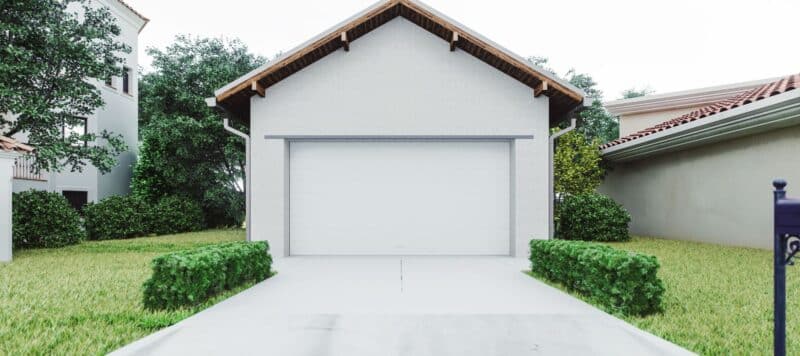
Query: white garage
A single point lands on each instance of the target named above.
(399, 197)
(399, 132)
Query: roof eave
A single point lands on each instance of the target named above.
(239, 84)
(771, 113)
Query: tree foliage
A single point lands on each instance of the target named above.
(596, 123)
(185, 150)
(635, 93)
(52, 52)
(576, 164)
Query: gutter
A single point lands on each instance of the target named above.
(212, 102)
(551, 177)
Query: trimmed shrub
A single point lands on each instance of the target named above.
(621, 281)
(187, 278)
(592, 217)
(122, 217)
(44, 219)
(116, 217)
(173, 215)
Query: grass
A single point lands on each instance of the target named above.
(86, 299)
(718, 299)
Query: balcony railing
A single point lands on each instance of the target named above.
(23, 169)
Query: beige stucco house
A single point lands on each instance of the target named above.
(698, 164)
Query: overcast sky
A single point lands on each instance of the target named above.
(667, 45)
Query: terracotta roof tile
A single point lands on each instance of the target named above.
(9, 144)
(759, 93)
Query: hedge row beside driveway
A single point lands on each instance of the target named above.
(187, 278)
(622, 281)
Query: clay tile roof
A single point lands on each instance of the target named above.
(9, 144)
(759, 93)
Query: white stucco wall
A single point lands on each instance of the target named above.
(398, 80)
(6, 172)
(719, 193)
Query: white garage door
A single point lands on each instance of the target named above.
(399, 197)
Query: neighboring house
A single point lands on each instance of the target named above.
(705, 173)
(119, 115)
(399, 131)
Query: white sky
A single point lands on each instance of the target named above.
(666, 45)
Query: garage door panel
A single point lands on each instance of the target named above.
(399, 197)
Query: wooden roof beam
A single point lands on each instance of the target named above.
(345, 42)
(453, 41)
(257, 89)
(541, 88)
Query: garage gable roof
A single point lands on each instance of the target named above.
(235, 97)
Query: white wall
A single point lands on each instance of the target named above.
(719, 193)
(398, 80)
(6, 172)
(121, 112)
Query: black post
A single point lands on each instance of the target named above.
(779, 277)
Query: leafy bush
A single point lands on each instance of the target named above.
(592, 217)
(116, 217)
(44, 219)
(622, 281)
(576, 164)
(190, 277)
(173, 215)
(122, 217)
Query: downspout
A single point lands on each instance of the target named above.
(553, 138)
(247, 183)
(246, 172)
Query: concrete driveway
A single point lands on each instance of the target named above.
(401, 306)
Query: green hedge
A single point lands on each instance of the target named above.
(115, 217)
(187, 278)
(592, 217)
(621, 281)
(44, 219)
(172, 215)
(121, 217)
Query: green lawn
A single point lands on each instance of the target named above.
(86, 299)
(718, 299)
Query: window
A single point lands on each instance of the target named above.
(76, 198)
(78, 127)
(110, 81)
(126, 74)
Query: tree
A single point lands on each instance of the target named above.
(597, 124)
(185, 150)
(51, 53)
(576, 164)
(595, 121)
(635, 93)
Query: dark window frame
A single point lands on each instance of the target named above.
(126, 80)
(85, 129)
